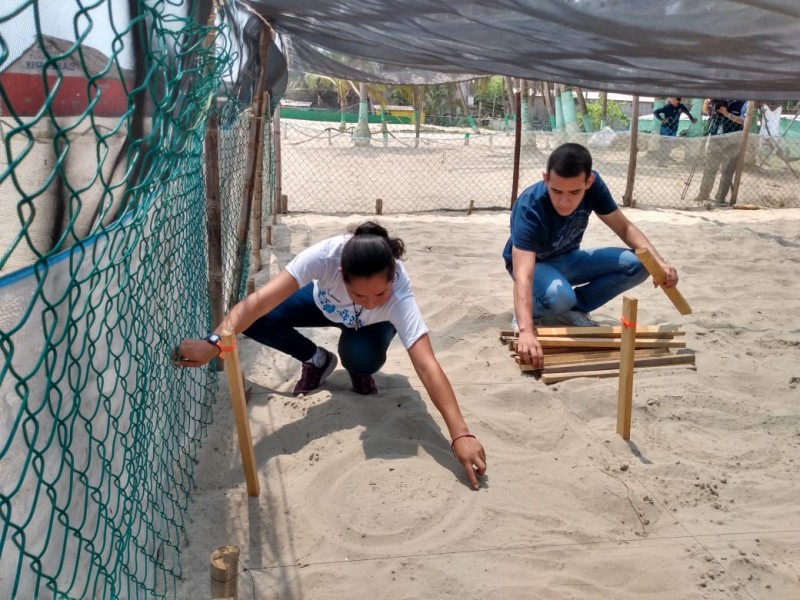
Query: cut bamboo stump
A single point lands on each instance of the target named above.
(239, 405)
(225, 572)
(626, 359)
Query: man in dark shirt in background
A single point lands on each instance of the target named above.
(670, 115)
(725, 117)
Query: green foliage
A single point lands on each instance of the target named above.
(614, 116)
(402, 95)
(491, 92)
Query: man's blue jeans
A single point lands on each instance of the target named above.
(584, 280)
(362, 351)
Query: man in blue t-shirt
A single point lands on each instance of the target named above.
(547, 225)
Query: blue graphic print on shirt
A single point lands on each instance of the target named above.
(348, 317)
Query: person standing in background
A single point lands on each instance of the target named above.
(670, 115)
(725, 117)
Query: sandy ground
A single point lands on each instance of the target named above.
(361, 498)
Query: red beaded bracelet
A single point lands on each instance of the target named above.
(458, 437)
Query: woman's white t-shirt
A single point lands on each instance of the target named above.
(320, 263)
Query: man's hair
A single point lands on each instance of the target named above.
(676, 98)
(570, 160)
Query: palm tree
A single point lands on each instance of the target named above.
(362, 135)
(587, 121)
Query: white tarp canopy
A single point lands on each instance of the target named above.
(692, 48)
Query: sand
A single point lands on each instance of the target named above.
(362, 499)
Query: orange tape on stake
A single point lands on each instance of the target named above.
(627, 324)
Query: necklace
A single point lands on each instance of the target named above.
(358, 316)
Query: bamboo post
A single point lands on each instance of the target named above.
(643, 254)
(214, 223)
(258, 190)
(471, 207)
(254, 139)
(737, 178)
(517, 144)
(276, 141)
(627, 198)
(239, 406)
(225, 572)
(379, 206)
(284, 204)
(626, 358)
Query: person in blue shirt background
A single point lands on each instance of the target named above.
(670, 116)
(556, 281)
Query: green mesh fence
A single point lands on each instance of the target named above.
(103, 269)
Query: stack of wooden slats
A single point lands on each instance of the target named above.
(594, 351)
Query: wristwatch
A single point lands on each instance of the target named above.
(215, 340)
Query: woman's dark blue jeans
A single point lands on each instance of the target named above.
(362, 351)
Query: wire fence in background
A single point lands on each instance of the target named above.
(103, 269)
(324, 171)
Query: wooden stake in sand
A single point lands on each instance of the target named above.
(236, 387)
(225, 572)
(658, 274)
(627, 354)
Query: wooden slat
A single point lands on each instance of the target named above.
(571, 342)
(626, 358)
(658, 274)
(644, 331)
(550, 378)
(239, 406)
(578, 357)
(596, 356)
(601, 365)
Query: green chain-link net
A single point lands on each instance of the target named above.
(103, 269)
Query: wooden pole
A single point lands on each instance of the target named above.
(517, 144)
(627, 198)
(214, 223)
(737, 178)
(239, 406)
(379, 206)
(626, 358)
(276, 142)
(225, 573)
(658, 274)
(471, 207)
(418, 107)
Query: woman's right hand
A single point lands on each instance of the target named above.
(194, 353)
(530, 350)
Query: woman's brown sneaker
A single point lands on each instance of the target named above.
(363, 384)
(312, 376)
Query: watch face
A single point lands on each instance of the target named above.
(213, 338)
